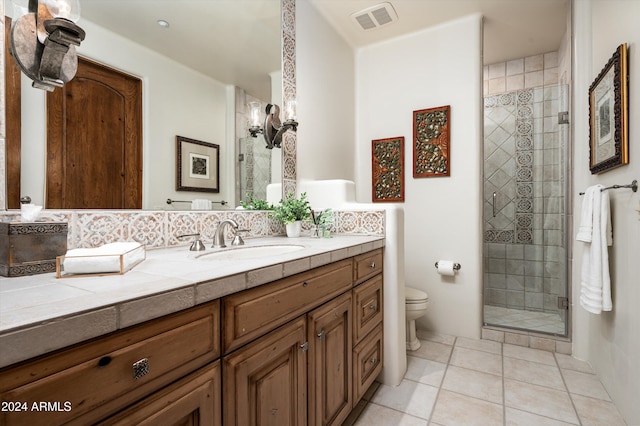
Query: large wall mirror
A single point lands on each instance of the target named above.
(197, 72)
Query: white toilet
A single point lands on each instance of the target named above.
(416, 303)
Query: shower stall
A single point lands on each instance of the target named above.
(526, 152)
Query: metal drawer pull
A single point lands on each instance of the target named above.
(321, 335)
(304, 284)
(374, 361)
(373, 265)
(140, 368)
(373, 307)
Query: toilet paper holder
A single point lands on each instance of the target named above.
(456, 266)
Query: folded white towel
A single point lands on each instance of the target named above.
(113, 257)
(200, 204)
(595, 231)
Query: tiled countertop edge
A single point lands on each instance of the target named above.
(32, 340)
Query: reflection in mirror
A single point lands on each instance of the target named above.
(194, 73)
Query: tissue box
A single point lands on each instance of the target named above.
(29, 248)
(110, 259)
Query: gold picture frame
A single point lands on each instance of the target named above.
(609, 115)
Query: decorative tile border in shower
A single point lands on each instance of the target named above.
(157, 229)
(522, 232)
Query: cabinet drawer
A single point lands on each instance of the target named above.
(367, 307)
(252, 313)
(97, 378)
(367, 265)
(367, 362)
(193, 400)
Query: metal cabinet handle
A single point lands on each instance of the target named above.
(374, 361)
(140, 368)
(373, 307)
(304, 346)
(304, 284)
(321, 335)
(373, 265)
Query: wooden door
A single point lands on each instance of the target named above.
(13, 121)
(94, 141)
(330, 368)
(265, 382)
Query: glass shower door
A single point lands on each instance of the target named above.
(525, 178)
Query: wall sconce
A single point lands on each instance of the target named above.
(272, 129)
(43, 42)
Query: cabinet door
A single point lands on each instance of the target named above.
(265, 382)
(330, 369)
(193, 400)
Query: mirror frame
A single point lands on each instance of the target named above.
(288, 62)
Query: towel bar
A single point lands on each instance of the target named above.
(169, 201)
(633, 185)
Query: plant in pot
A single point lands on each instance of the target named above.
(291, 212)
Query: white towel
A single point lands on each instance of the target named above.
(595, 231)
(201, 204)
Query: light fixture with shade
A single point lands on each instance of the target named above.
(43, 41)
(273, 129)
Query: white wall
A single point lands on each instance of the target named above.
(610, 341)
(176, 101)
(325, 93)
(434, 67)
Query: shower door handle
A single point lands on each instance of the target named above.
(495, 194)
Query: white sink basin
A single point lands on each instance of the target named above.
(250, 252)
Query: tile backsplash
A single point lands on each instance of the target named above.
(157, 229)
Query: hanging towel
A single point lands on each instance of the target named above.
(595, 231)
(201, 204)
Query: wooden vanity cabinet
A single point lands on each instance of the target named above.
(91, 381)
(329, 361)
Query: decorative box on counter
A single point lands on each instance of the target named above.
(109, 259)
(29, 248)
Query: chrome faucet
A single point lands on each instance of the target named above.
(218, 237)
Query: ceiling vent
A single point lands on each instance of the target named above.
(375, 16)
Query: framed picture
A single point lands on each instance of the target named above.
(431, 142)
(198, 165)
(387, 169)
(609, 115)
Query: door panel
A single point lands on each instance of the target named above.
(94, 141)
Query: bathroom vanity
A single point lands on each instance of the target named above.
(300, 348)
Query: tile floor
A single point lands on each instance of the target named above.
(529, 320)
(459, 381)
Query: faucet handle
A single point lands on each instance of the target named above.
(237, 239)
(196, 245)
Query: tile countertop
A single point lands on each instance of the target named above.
(40, 313)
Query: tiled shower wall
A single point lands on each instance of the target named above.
(524, 153)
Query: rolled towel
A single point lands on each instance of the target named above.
(109, 258)
(200, 204)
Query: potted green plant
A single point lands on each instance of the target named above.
(255, 204)
(291, 212)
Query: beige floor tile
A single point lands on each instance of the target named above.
(455, 409)
(539, 400)
(435, 337)
(585, 384)
(522, 418)
(480, 345)
(432, 350)
(477, 360)
(533, 372)
(425, 371)
(376, 415)
(568, 362)
(473, 383)
(595, 412)
(529, 354)
(409, 397)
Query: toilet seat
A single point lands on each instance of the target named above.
(415, 296)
